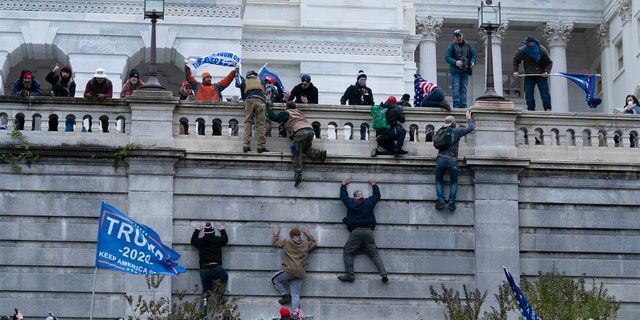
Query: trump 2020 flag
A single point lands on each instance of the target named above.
(225, 59)
(588, 83)
(264, 73)
(128, 246)
(525, 308)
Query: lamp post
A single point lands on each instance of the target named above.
(489, 19)
(154, 10)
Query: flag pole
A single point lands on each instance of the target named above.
(549, 74)
(93, 291)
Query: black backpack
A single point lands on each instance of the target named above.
(443, 138)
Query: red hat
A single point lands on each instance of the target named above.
(185, 84)
(268, 79)
(285, 313)
(392, 99)
(27, 74)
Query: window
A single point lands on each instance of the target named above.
(444, 81)
(620, 54)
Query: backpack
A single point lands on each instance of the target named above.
(443, 138)
(379, 117)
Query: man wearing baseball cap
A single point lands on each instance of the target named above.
(461, 58)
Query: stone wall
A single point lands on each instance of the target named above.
(520, 204)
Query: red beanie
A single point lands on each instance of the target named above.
(285, 313)
(392, 99)
(26, 75)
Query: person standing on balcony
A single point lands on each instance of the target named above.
(99, 87)
(26, 85)
(391, 140)
(360, 95)
(63, 84)
(360, 221)
(304, 92)
(447, 160)
(537, 65)
(254, 97)
(134, 83)
(461, 58)
(294, 266)
(206, 90)
(301, 133)
(213, 276)
(632, 105)
(186, 93)
(428, 94)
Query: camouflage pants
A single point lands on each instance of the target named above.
(302, 140)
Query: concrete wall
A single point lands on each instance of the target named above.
(520, 205)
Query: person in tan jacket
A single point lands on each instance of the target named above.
(294, 266)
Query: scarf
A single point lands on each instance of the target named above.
(533, 51)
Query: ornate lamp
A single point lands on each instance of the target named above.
(489, 19)
(154, 10)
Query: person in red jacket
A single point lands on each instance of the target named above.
(206, 90)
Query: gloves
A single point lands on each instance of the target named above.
(25, 93)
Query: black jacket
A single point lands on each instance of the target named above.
(209, 246)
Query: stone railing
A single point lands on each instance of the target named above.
(501, 130)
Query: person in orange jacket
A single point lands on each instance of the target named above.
(206, 90)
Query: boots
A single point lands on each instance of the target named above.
(285, 299)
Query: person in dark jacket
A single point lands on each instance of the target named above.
(99, 87)
(391, 141)
(358, 93)
(26, 85)
(134, 83)
(63, 84)
(461, 58)
(360, 221)
(537, 65)
(213, 276)
(304, 92)
(447, 160)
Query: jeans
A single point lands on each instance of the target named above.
(361, 237)
(446, 164)
(209, 278)
(543, 86)
(434, 99)
(389, 138)
(295, 284)
(459, 81)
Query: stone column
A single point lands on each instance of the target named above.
(602, 34)
(557, 35)
(495, 167)
(152, 117)
(429, 28)
(496, 47)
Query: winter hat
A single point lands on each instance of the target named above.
(305, 77)
(361, 74)
(529, 39)
(295, 232)
(392, 99)
(268, 79)
(185, 84)
(457, 32)
(134, 73)
(66, 68)
(417, 76)
(285, 313)
(406, 97)
(205, 75)
(100, 74)
(448, 121)
(208, 228)
(27, 74)
(252, 73)
(358, 194)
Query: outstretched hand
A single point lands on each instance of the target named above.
(345, 181)
(372, 181)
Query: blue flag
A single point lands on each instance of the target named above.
(128, 246)
(588, 83)
(525, 308)
(264, 73)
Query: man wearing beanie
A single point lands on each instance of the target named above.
(206, 90)
(301, 133)
(391, 140)
(360, 221)
(254, 97)
(285, 314)
(213, 276)
(134, 83)
(304, 92)
(358, 93)
(63, 84)
(26, 85)
(293, 268)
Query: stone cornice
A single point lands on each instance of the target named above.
(322, 48)
(117, 7)
(558, 33)
(623, 7)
